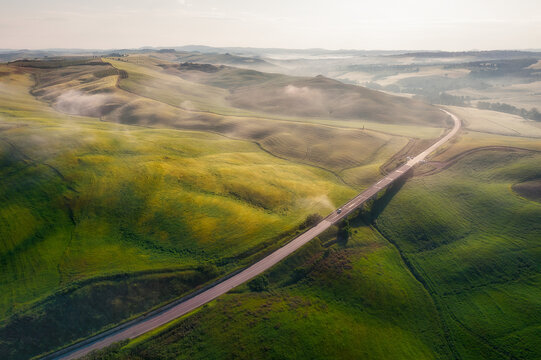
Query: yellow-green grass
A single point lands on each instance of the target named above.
(475, 244)
(496, 122)
(329, 147)
(471, 140)
(83, 198)
(370, 171)
(345, 302)
(457, 275)
(148, 80)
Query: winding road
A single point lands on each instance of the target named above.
(147, 323)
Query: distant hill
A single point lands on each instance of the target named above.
(319, 97)
(492, 54)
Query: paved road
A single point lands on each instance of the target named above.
(148, 323)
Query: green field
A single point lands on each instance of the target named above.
(126, 186)
(444, 279)
(85, 199)
(139, 91)
(478, 253)
(326, 301)
(233, 91)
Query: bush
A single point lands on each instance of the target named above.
(311, 220)
(344, 233)
(258, 284)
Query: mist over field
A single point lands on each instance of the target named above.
(188, 179)
(78, 103)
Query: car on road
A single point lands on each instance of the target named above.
(339, 210)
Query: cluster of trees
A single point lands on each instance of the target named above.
(532, 114)
(444, 98)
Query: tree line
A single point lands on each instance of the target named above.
(532, 114)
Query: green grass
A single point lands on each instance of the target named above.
(329, 147)
(103, 221)
(84, 199)
(455, 274)
(232, 91)
(476, 245)
(469, 140)
(357, 301)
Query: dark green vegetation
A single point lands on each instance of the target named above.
(60, 62)
(88, 306)
(327, 301)
(445, 266)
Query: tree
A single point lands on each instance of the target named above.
(258, 284)
(344, 232)
(311, 220)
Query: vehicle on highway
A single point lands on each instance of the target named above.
(339, 210)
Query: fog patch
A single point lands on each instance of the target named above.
(78, 103)
(315, 202)
(188, 105)
(303, 92)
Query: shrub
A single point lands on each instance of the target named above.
(258, 284)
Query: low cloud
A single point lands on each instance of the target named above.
(303, 92)
(78, 103)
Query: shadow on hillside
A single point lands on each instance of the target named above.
(371, 211)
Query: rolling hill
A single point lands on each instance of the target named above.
(127, 184)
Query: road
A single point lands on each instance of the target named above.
(151, 322)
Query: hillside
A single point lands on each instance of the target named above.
(92, 209)
(122, 193)
(318, 97)
(443, 266)
(144, 91)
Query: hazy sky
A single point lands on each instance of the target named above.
(378, 24)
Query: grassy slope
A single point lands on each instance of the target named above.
(233, 91)
(479, 254)
(332, 148)
(342, 302)
(497, 122)
(83, 198)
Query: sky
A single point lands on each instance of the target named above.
(338, 24)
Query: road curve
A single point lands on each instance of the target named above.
(145, 324)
